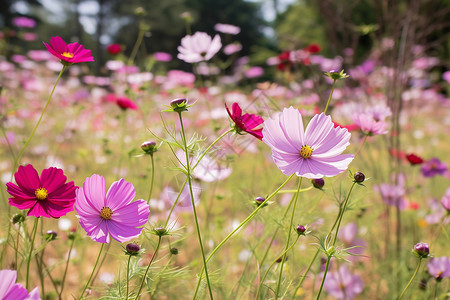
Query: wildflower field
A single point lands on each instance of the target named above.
(308, 176)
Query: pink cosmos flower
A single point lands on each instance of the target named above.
(9, 290)
(247, 122)
(393, 195)
(24, 22)
(162, 56)
(125, 103)
(433, 167)
(198, 47)
(232, 48)
(103, 214)
(439, 267)
(343, 284)
(46, 196)
(445, 201)
(227, 28)
(312, 153)
(254, 72)
(71, 53)
(369, 125)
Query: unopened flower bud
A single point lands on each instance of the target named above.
(72, 235)
(179, 104)
(300, 229)
(335, 75)
(132, 249)
(160, 231)
(18, 218)
(50, 235)
(174, 251)
(318, 183)
(279, 259)
(359, 177)
(422, 250)
(149, 147)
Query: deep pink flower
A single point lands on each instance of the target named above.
(414, 159)
(114, 49)
(311, 153)
(46, 196)
(125, 103)
(10, 290)
(247, 122)
(103, 214)
(198, 47)
(162, 56)
(71, 53)
(24, 22)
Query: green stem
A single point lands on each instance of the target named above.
(341, 212)
(33, 233)
(92, 273)
(271, 265)
(288, 238)
(175, 203)
(324, 276)
(19, 156)
(197, 227)
(155, 253)
(128, 275)
(411, 280)
(329, 98)
(152, 180)
(240, 225)
(137, 45)
(304, 275)
(210, 146)
(65, 270)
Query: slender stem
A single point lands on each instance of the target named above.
(283, 259)
(152, 180)
(271, 265)
(65, 270)
(324, 276)
(92, 273)
(411, 280)
(175, 203)
(197, 227)
(304, 275)
(128, 275)
(362, 144)
(122, 146)
(155, 253)
(137, 44)
(33, 233)
(341, 212)
(240, 225)
(210, 146)
(19, 156)
(329, 98)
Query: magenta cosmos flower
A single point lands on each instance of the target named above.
(247, 122)
(311, 153)
(198, 47)
(114, 213)
(10, 290)
(71, 53)
(343, 284)
(46, 196)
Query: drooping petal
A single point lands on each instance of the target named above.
(119, 194)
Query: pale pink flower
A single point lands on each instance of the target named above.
(198, 47)
(369, 125)
(227, 28)
(312, 153)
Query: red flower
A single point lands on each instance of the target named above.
(285, 60)
(114, 49)
(313, 48)
(46, 196)
(245, 122)
(125, 103)
(68, 54)
(414, 159)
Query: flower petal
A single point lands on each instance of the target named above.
(119, 194)
(27, 179)
(94, 191)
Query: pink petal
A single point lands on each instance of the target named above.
(17, 192)
(58, 44)
(52, 178)
(317, 130)
(8, 280)
(38, 210)
(27, 179)
(119, 194)
(96, 228)
(134, 214)
(123, 233)
(83, 206)
(94, 191)
(22, 203)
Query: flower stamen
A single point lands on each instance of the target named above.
(106, 213)
(306, 151)
(41, 194)
(67, 54)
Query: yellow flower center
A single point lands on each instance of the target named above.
(41, 194)
(106, 213)
(306, 151)
(67, 54)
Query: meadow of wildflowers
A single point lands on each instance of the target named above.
(318, 183)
